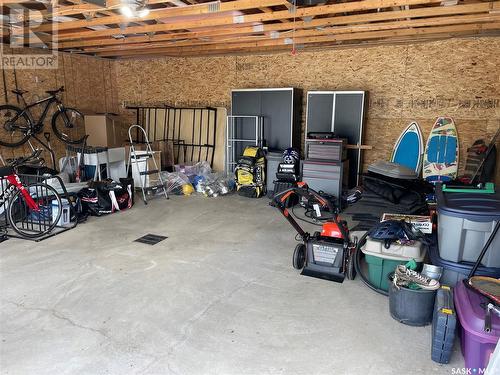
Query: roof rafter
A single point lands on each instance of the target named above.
(284, 38)
(319, 22)
(255, 46)
(193, 27)
(247, 19)
(198, 9)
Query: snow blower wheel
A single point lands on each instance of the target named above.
(299, 256)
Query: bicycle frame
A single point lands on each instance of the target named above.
(19, 123)
(38, 125)
(16, 184)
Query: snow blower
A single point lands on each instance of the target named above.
(323, 254)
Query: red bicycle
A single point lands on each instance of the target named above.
(32, 210)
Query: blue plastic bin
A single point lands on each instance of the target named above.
(465, 222)
(456, 271)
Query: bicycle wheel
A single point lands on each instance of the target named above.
(68, 125)
(31, 223)
(14, 127)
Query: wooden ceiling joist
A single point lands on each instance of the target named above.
(249, 46)
(214, 20)
(441, 21)
(192, 27)
(320, 22)
(394, 40)
(206, 8)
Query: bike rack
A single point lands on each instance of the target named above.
(47, 147)
(33, 222)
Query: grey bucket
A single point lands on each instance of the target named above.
(409, 306)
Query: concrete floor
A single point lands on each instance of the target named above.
(219, 296)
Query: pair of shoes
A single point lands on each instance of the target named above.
(398, 283)
(404, 276)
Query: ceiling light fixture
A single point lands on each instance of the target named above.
(127, 11)
(134, 8)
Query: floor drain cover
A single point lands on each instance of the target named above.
(150, 239)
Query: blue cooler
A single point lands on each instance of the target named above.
(465, 222)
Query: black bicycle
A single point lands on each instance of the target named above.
(17, 125)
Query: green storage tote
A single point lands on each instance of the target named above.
(382, 262)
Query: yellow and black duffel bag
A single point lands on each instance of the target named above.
(250, 174)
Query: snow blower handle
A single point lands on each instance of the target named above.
(302, 190)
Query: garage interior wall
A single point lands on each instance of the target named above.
(455, 77)
(89, 86)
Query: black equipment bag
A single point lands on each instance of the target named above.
(250, 173)
(105, 197)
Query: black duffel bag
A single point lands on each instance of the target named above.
(106, 197)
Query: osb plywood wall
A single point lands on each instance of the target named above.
(456, 77)
(89, 86)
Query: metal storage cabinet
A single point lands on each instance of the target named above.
(280, 108)
(326, 149)
(341, 112)
(324, 176)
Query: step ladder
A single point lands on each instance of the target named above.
(144, 156)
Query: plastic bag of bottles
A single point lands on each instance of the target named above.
(216, 184)
(176, 183)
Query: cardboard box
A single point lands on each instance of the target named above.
(423, 223)
(105, 130)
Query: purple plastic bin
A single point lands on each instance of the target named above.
(477, 345)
